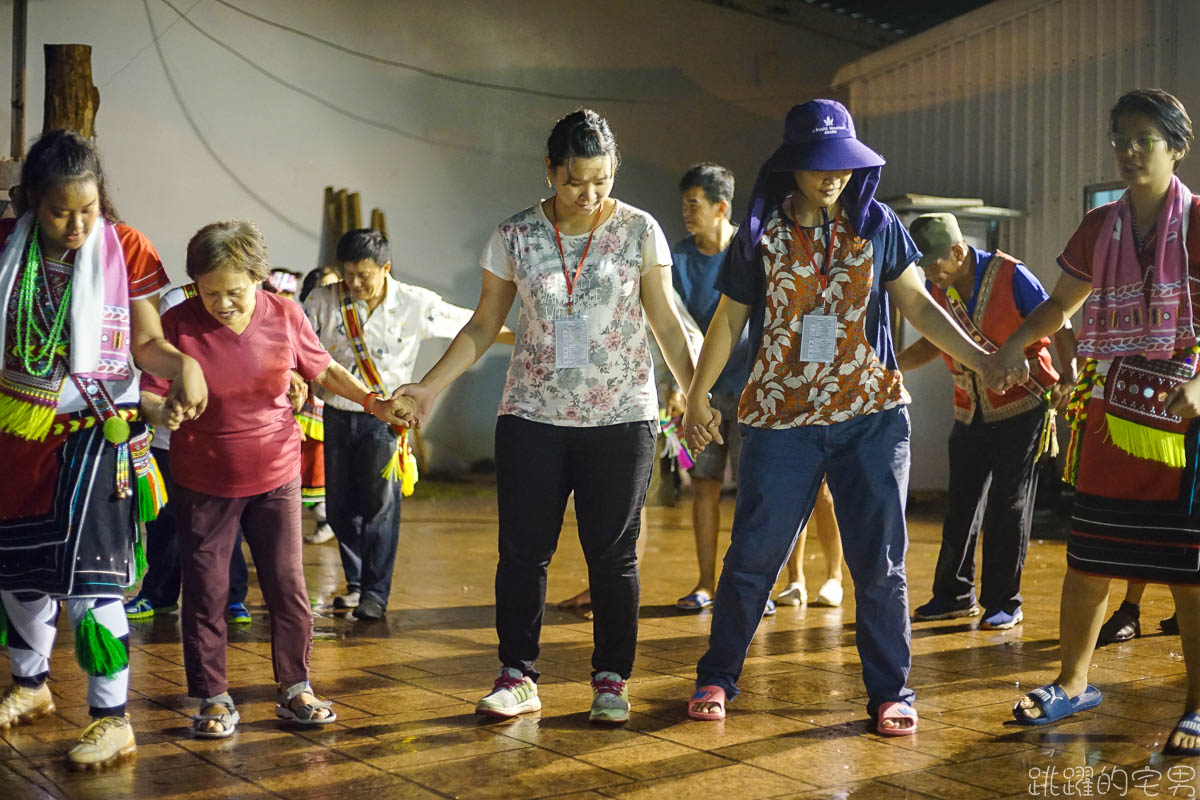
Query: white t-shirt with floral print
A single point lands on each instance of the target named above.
(617, 385)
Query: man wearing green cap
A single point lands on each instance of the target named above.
(997, 437)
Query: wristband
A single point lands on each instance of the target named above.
(366, 403)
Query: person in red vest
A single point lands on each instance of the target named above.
(997, 437)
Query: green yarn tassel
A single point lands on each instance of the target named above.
(3, 625)
(139, 556)
(97, 650)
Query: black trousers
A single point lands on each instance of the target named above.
(993, 481)
(537, 468)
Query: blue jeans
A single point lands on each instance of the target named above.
(362, 506)
(866, 461)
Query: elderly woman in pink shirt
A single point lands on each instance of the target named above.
(239, 463)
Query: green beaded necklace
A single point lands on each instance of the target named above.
(28, 330)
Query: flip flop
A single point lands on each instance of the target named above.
(895, 710)
(707, 694)
(1189, 723)
(1055, 704)
(695, 601)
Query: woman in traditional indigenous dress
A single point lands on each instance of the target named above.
(579, 411)
(1134, 266)
(239, 464)
(80, 300)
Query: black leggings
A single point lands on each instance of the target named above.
(537, 468)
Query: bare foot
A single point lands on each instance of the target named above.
(576, 602)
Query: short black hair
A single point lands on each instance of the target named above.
(361, 244)
(581, 134)
(1164, 109)
(715, 180)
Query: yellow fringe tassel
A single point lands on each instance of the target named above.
(313, 429)
(1150, 443)
(403, 466)
(25, 419)
(1048, 444)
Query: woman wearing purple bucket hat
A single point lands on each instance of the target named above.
(824, 400)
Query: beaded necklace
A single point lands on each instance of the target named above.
(38, 361)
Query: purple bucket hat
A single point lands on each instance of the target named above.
(819, 135)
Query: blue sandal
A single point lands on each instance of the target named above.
(696, 601)
(1189, 723)
(1055, 704)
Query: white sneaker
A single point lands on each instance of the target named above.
(830, 594)
(19, 705)
(794, 594)
(102, 742)
(512, 694)
(347, 600)
(320, 534)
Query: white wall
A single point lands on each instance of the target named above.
(1010, 103)
(445, 161)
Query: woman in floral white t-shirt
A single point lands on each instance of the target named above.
(579, 412)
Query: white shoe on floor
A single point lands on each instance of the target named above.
(347, 600)
(103, 742)
(794, 594)
(830, 594)
(320, 534)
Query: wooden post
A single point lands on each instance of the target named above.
(379, 221)
(71, 98)
(20, 9)
(355, 220)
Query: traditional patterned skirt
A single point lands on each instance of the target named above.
(312, 450)
(1134, 518)
(63, 530)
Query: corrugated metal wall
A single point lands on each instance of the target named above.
(1010, 103)
(1016, 113)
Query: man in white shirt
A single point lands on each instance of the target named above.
(362, 506)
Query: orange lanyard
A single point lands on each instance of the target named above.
(829, 229)
(563, 256)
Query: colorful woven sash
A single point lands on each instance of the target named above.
(403, 465)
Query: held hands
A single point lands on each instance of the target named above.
(701, 423)
(399, 412)
(421, 399)
(1004, 369)
(676, 403)
(1184, 400)
(297, 390)
(188, 396)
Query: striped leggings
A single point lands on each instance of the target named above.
(32, 622)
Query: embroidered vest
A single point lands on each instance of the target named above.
(995, 319)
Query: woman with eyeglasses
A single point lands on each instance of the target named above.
(1132, 266)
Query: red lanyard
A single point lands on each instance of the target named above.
(562, 255)
(822, 274)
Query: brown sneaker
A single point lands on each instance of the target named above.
(103, 742)
(19, 705)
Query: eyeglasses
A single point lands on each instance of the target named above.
(1138, 144)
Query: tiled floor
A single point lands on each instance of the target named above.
(404, 690)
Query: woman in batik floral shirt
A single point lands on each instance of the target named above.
(808, 269)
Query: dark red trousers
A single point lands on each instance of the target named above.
(208, 528)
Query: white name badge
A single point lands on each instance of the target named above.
(571, 342)
(818, 338)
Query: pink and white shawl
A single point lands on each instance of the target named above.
(1132, 311)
